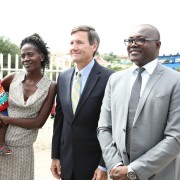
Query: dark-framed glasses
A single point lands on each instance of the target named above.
(138, 41)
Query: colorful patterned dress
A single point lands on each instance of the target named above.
(3, 101)
(20, 165)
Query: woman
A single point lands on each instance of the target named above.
(31, 96)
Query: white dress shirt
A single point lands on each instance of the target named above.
(149, 68)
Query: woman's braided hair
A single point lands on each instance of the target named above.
(41, 47)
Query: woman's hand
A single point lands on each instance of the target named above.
(3, 119)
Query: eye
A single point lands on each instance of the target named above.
(130, 40)
(140, 40)
(30, 54)
(79, 42)
(22, 56)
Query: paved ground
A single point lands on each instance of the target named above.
(42, 149)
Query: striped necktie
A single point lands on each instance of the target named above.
(133, 103)
(76, 92)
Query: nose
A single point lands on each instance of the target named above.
(134, 42)
(25, 58)
(74, 46)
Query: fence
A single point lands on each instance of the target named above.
(13, 65)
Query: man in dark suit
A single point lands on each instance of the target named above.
(76, 153)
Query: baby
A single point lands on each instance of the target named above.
(4, 149)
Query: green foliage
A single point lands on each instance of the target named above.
(97, 53)
(72, 64)
(117, 68)
(111, 57)
(7, 47)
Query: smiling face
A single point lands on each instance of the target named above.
(143, 54)
(80, 49)
(31, 58)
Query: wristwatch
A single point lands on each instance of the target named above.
(131, 175)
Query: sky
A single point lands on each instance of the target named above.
(113, 20)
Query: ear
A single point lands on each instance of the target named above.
(95, 46)
(158, 44)
(42, 57)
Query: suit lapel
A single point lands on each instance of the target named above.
(158, 72)
(89, 86)
(122, 93)
(69, 84)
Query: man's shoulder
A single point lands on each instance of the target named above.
(118, 74)
(169, 72)
(102, 68)
(66, 72)
(107, 71)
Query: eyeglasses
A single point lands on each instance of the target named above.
(138, 41)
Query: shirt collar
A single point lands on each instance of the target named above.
(149, 66)
(86, 70)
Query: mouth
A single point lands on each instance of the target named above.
(27, 64)
(134, 52)
(75, 54)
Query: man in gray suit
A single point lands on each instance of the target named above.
(152, 151)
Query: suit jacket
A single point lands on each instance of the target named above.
(155, 141)
(75, 140)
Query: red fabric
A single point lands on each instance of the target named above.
(53, 110)
(3, 106)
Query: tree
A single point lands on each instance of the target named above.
(7, 47)
(111, 57)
